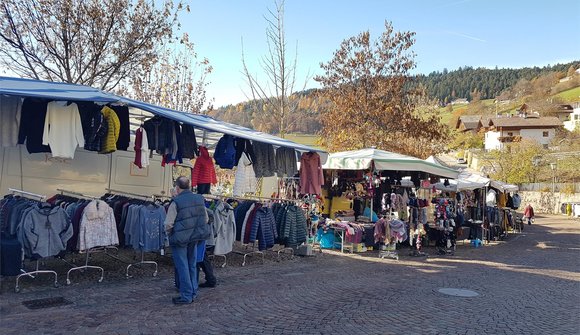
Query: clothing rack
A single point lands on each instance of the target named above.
(128, 193)
(34, 195)
(104, 249)
(252, 197)
(142, 262)
(77, 194)
(32, 273)
(87, 266)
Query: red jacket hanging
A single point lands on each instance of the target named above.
(203, 170)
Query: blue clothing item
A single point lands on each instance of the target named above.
(491, 214)
(191, 222)
(185, 261)
(225, 152)
(200, 251)
(367, 213)
(151, 220)
(517, 201)
(132, 227)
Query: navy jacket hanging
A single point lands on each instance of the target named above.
(225, 152)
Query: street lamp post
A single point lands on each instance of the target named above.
(553, 167)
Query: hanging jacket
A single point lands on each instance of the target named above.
(264, 228)
(44, 231)
(293, 228)
(173, 152)
(265, 163)
(225, 228)
(189, 148)
(97, 226)
(203, 170)
(286, 162)
(122, 113)
(32, 125)
(109, 141)
(245, 180)
(96, 129)
(225, 152)
(517, 201)
(311, 178)
(239, 216)
(10, 112)
(159, 134)
(244, 146)
(151, 233)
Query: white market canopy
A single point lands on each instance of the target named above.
(471, 181)
(72, 92)
(503, 187)
(465, 181)
(384, 161)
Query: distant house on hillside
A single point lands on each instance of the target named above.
(504, 130)
(573, 121)
(563, 112)
(460, 101)
(470, 123)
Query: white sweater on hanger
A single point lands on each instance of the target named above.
(62, 129)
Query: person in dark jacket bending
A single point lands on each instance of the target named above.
(186, 224)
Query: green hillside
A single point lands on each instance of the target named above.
(571, 95)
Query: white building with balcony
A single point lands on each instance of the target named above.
(504, 130)
(573, 121)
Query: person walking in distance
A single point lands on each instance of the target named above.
(186, 225)
(205, 265)
(529, 213)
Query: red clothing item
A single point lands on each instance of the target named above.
(203, 170)
(137, 147)
(529, 211)
(311, 178)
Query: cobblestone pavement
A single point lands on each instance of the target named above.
(528, 284)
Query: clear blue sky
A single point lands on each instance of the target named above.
(449, 34)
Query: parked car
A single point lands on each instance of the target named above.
(461, 161)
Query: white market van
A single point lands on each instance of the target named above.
(88, 173)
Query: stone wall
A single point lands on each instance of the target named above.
(547, 202)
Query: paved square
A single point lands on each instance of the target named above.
(529, 284)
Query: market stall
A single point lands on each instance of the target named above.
(67, 148)
(377, 181)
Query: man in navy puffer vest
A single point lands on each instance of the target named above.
(186, 224)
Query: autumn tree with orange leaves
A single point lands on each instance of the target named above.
(372, 102)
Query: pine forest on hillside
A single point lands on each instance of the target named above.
(468, 83)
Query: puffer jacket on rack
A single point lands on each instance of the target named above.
(264, 228)
(97, 227)
(291, 226)
(44, 231)
(239, 216)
